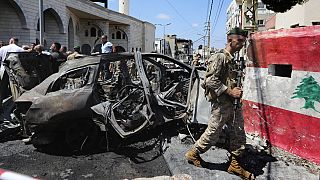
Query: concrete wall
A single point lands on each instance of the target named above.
(149, 34)
(302, 15)
(281, 100)
(123, 31)
(13, 22)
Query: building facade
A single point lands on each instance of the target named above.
(306, 14)
(234, 15)
(240, 14)
(74, 22)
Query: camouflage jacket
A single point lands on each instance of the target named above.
(220, 75)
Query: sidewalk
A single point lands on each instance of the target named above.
(264, 165)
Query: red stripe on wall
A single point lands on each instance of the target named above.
(2, 171)
(296, 133)
(298, 46)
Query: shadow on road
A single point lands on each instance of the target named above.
(148, 145)
(142, 147)
(255, 161)
(252, 159)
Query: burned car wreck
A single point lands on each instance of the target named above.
(20, 72)
(123, 91)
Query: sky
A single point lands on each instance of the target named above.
(187, 17)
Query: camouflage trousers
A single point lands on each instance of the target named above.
(221, 114)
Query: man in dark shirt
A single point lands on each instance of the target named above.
(56, 56)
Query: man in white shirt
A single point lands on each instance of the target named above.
(4, 82)
(106, 46)
(12, 47)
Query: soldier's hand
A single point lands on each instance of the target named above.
(235, 92)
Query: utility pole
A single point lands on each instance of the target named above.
(203, 37)
(209, 34)
(250, 13)
(41, 21)
(164, 36)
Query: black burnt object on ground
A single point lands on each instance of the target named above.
(95, 94)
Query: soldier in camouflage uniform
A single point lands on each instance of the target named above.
(221, 91)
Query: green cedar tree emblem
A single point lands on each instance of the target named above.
(309, 90)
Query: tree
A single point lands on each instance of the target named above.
(309, 90)
(282, 5)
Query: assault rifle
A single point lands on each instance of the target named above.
(239, 71)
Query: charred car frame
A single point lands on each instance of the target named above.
(143, 90)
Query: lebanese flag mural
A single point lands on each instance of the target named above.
(281, 100)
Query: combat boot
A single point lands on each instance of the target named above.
(235, 168)
(193, 157)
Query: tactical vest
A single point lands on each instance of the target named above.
(227, 74)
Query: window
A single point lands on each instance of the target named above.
(93, 32)
(77, 28)
(100, 33)
(261, 22)
(75, 79)
(282, 70)
(123, 36)
(86, 33)
(315, 23)
(118, 35)
(112, 36)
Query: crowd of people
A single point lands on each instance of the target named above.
(58, 53)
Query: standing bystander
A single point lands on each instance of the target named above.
(12, 47)
(196, 60)
(63, 50)
(57, 57)
(1, 44)
(76, 54)
(107, 47)
(4, 82)
(38, 48)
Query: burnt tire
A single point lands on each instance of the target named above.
(82, 135)
(46, 141)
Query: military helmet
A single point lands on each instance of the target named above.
(238, 31)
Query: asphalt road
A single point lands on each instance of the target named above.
(25, 159)
(137, 157)
(151, 154)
